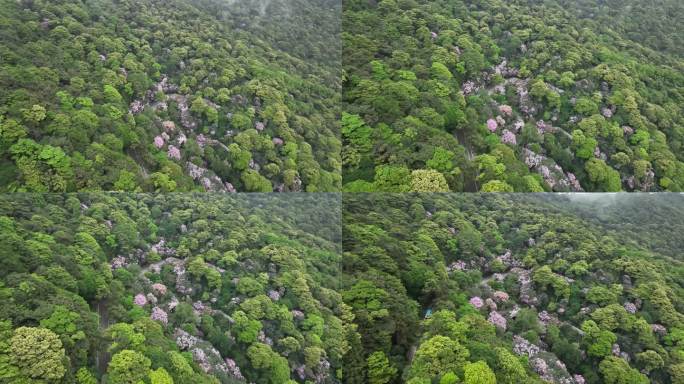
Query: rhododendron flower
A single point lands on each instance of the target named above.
(498, 320)
(508, 137)
(174, 153)
(631, 308)
(476, 302)
(492, 125)
(158, 314)
(159, 289)
(500, 296)
(158, 142)
(140, 300)
(506, 109)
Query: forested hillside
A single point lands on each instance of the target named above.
(519, 95)
(174, 95)
(484, 288)
(175, 288)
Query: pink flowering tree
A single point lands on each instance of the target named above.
(159, 289)
(492, 125)
(506, 109)
(630, 307)
(497, 319)
(159, 314)
(500, 296)
(158, 142)
(508, 137)
(174, 152)
(140, 300)
(476, 302)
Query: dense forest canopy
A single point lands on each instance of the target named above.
(519, 95)
(173, 288)
(515, 288)
(170, 95)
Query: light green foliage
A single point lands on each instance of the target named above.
(160, 376)
(427, 180)
(380, 371)
(38, 354)
(437, 355)
(478, 373)
(616, 371)
(128, 367)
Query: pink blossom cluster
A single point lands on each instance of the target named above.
(118, 262)
(540, 366)
(508, 137)
(523, 347)
(433, 34)
(659, 329)
(274, 295)
(506, 109)
(259, 126)
(173, 304)
(159, 289)
(182, 139)
(500, 296)
(185, 340)
(541, 127)
(532, 159)
(233, 369)
(492, 125)
(630, 307)
(195, 171)
(544, 317)
(468, 87)
(627, 130)
(278, 141)
(574, 183)
(459, 265)
(158, 142)
(158, 314)
(301, 371)
(151, 299)
(140, 300)
(607, 113)
(476, 302)
(297, 314)
(518, 125)
(201, 358)
(579, 379)
(497, 319)
(198, 306)
(174, 152)
(616, 349)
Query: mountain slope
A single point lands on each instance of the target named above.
(169, 95)
(520, 95)
(513, 288)
(184, 288)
